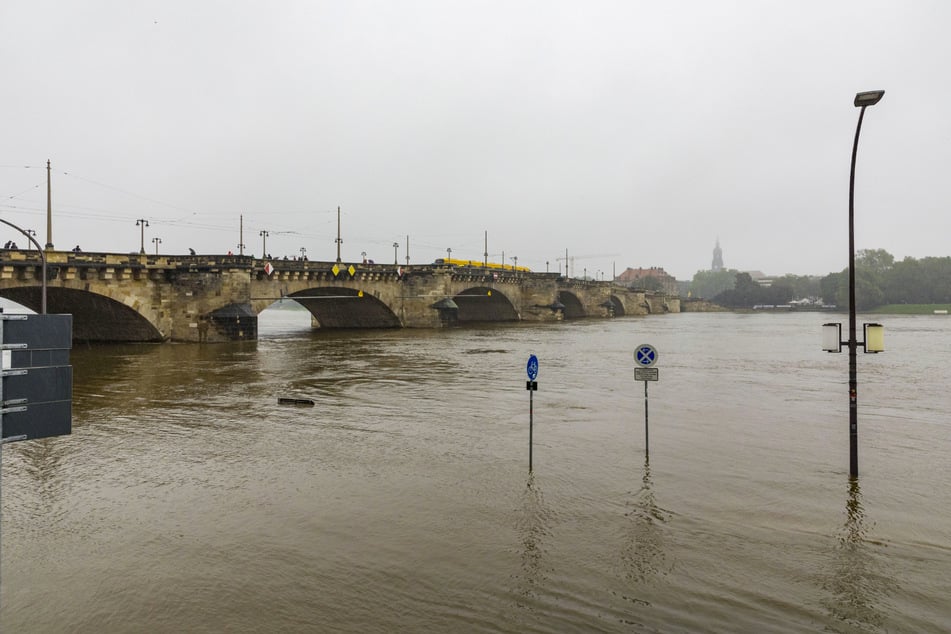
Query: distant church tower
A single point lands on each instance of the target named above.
(717, 257)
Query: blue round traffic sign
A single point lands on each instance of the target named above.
(532, 367)
(645, 355)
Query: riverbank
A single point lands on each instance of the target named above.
(912, 309)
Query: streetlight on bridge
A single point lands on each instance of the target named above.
(396, 259)
(143, 223)
(157, 242)
(264, 234)
(30, 232)
(448, 254)
(303, 250)
(339, 240)
(874, 333)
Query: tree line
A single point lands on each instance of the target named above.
(879, 280)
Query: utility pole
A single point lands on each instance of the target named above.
(407, 250)
(49, 208)
(241, 237)
(485, 253)
(339, 241)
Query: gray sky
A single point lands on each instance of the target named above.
(630, 133)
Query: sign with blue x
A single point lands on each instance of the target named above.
(645, 355)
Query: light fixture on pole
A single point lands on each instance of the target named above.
(143, 223)
(396, 260)
(264, 234)
(339, 240)
(157, 242)
(874, 334)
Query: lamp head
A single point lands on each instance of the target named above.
(869, 98)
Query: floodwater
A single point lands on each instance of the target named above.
(188, 500)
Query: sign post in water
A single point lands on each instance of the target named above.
(645, 356)
(532, 386)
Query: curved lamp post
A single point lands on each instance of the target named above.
(862, 100)
(29, 237)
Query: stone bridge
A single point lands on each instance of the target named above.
(140, 297)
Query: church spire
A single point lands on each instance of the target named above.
(717, 257)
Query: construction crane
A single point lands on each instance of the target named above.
(571, 260)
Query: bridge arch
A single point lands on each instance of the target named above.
(614, 306)
(341, 307)
(574, 307)
(96, 317)
(481, 303)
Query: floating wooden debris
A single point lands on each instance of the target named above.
(300, 402)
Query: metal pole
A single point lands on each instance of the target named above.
(407, 251)
(264, 235)
(339, 241)
(396, 259)
(42, 259)
(530, 424)
(853, 373)
(647, 450)
(49, 207)
(143, 223)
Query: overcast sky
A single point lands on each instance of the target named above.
(629, 133)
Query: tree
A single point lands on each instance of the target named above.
(871, 268)
(829, 288)
(800, 285)
(905, 284)
(878, 261)
(709, 284)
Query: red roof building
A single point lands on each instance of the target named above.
(637, 278)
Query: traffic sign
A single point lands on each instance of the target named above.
(532, 367)
(646, 374)
(645, 355)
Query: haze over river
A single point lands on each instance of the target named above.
(188, 500)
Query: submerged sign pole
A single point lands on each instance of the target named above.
(647, 433)
(645, 356)
(532, 386)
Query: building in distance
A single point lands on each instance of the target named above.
(655, 279)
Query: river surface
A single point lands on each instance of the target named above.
(187, 500)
